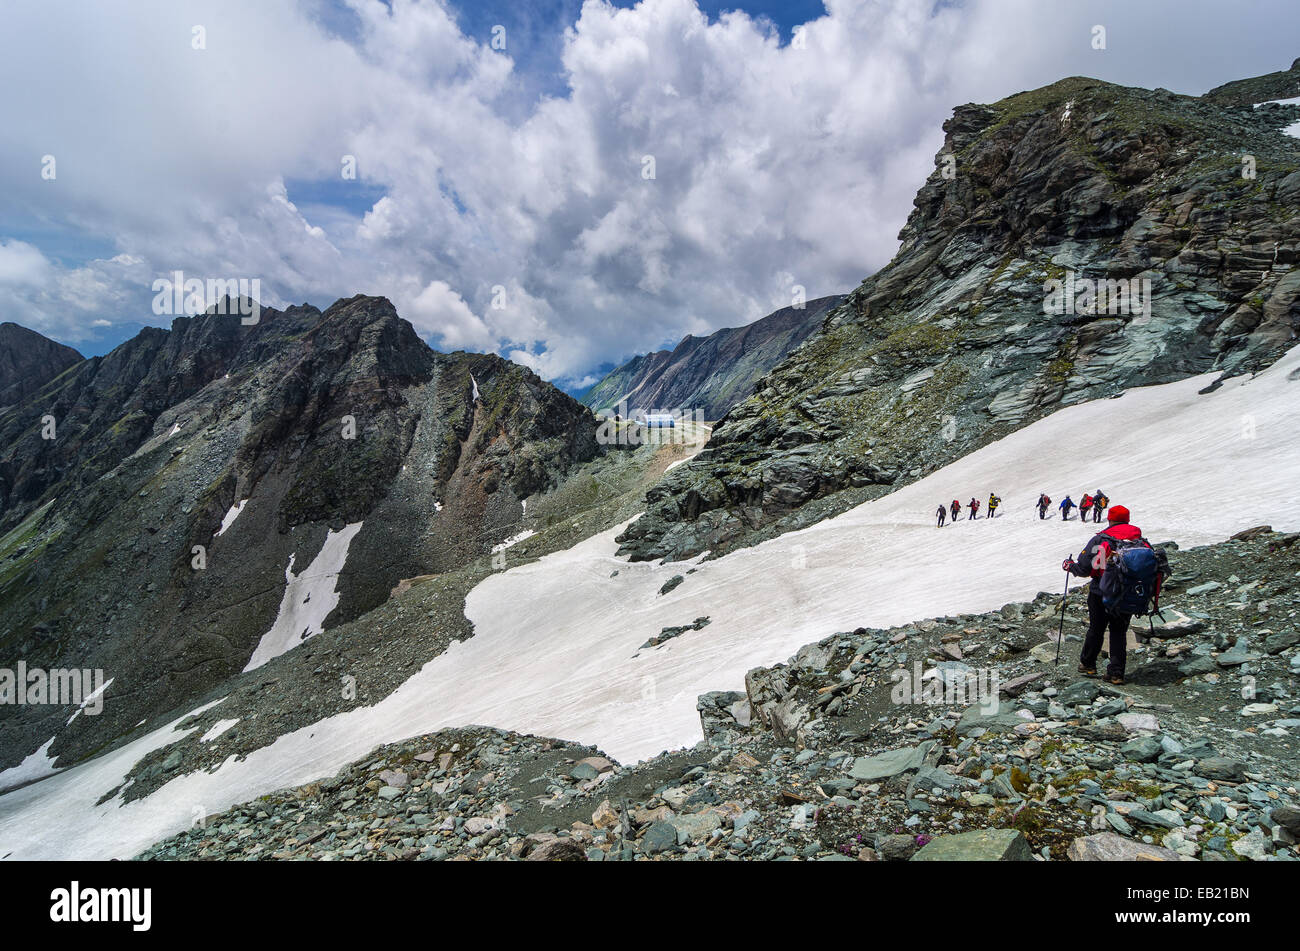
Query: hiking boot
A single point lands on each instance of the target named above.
(1116, 680)
(1087, 671)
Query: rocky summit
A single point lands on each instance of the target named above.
(28, 361)
(189, 466)
(1182, 210)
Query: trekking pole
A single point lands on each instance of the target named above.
(1060, 635)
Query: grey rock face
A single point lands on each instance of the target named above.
(952, 345)
(28, 361)
(313, 420)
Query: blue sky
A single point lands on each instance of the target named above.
(501, 199)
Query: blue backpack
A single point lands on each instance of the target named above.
(1130, 583)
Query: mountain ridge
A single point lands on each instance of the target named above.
(709, 374)
(950, 345)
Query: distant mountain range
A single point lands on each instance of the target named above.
(710, 374)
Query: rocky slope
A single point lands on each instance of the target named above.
(952, 345)
(195, 471)
(820, 759)
(28, 361)
(1283, 84)
(709, 374)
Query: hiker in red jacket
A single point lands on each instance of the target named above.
(974, 507)
(1085, 507)
(1043, 503)
(956, 509)
(1090, 564)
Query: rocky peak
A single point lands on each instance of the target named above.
(1177, 212)
(28, 361)
(257, 445)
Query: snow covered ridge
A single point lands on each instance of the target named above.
(553, 644)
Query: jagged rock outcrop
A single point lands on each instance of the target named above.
(195, 472)
(1189, 202)
(709, 374)
(28, 361)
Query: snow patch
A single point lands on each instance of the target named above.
(57, 818)
(231, 516)
(513, 540)
(89, 699)
(221, 726)
(673, 465)
(308, 598)
(37, 766)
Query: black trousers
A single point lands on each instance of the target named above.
(1099, 620)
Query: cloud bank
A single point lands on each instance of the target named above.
(687, 175)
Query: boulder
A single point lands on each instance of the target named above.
(558, 850)
(891, 763)
(1109, 847)
(980, 845)
(659, 837)
(976, 716)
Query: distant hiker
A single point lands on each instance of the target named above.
(1067, 503)
(994, 502)
(1085, 507)
(974, 507)
(943, 513)
(1043, 502)
(1126, 577)
(956, 509)
(1099, 503)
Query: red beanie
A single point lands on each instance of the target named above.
(1116, 514)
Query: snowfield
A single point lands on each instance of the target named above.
(553, 645)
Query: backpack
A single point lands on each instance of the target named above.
(1130, 582)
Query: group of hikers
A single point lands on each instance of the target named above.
(1125, 574)
(972, 507)
(1092, 503)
